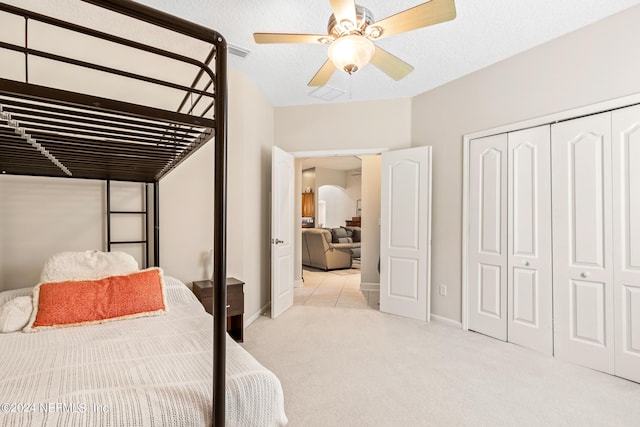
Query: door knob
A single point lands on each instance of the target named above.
(526, 263)
(585, 274)
(277, 241)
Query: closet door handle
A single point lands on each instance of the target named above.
(526, 263)
(585, 274)
(229, 306)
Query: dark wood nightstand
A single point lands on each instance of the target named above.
(203, 289)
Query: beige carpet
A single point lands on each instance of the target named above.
(359, 367)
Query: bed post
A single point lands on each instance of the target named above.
(219, 237)
(108, 215)
(156, 224)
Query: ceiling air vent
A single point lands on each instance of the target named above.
(326, 93)
(237, 50)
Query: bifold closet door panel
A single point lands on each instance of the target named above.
(529, 265)
(487, 285)
(626, 232)
(582, 242)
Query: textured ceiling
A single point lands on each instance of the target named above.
(484, 32)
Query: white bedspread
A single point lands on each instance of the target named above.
(150, 371)
(254, 395)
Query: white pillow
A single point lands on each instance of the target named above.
(87, 265)
(6, 296)
(15, 314)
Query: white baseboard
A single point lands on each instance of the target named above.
(265, 309)
(446, 321)
(370, 286)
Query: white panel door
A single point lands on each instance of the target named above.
(582, 264)
(282, 208)
(529, 261)
(487, 289)
(405, 237)
(626, 232)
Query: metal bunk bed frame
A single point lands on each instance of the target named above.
(52, 132)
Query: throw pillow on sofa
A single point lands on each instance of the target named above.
(354, 233)
(337, 234)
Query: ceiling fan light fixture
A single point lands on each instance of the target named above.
(346, 26)
(351, 53)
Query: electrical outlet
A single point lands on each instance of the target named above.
(443, 290)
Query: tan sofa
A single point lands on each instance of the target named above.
(318, 251)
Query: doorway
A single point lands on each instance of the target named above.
(403, 177)
(361, 165)
(331, 194)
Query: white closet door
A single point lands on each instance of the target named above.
(626, 224)
(529, 277)
(582, 264)
(487, 291)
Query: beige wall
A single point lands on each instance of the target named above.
(186, 218)
(187, 236)
(370, 252)
(326, 176)
(322, 127)
(590, 65)
(251, 134)
(40, 217)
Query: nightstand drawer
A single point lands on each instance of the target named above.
(235, 300)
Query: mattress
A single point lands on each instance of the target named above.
(149, 371)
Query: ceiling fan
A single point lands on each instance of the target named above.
(352, 30)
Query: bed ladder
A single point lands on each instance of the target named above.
(145, 212)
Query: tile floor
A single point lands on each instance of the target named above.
(338, 288)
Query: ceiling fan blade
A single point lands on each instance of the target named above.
(287, 38)
(391, 65)
(423, 15)
(323, 75)
(344, 9)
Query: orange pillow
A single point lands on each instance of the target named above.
(85, 302)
